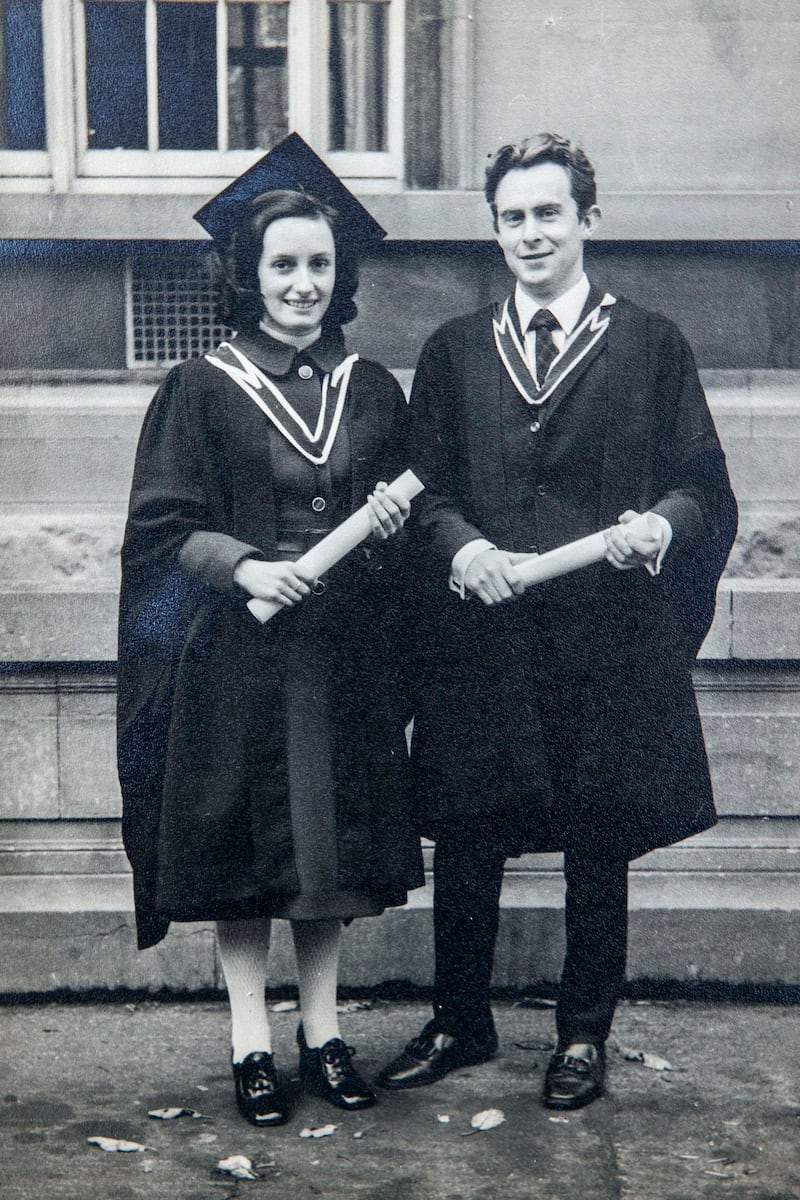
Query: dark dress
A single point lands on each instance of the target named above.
(264, 769)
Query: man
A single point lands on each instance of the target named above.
(562, 718)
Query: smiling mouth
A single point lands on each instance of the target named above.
(301, 305)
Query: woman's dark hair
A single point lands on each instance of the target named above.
(544, 147)
(239, 302)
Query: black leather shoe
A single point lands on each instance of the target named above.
(258, 1092)
(328, 1071)
(433, 1054)
(575, 1076)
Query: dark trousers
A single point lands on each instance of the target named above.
(467, 881)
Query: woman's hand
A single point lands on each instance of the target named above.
(626, 548)
(282, 582)
(386, 514)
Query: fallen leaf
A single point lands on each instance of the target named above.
(719, 1174)
(488, 1118)
(285, 1006)
(201, 1087)
(320, 1131)
(351, 1006)
(653, 1061)
(534, 1002)
(534, 1045)
(559, 1120)
(359, 1133)
(688, 1156)
(206, 1139)
(237, 1165)
(116, 1144)
(443, 1117)
(172, 1114)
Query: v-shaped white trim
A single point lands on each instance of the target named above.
(252, 380)
(594, 322)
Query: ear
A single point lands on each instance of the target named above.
(590, 221)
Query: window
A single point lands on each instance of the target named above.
(167, 87)
(23, 137)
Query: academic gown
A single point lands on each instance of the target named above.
(567, 718)
(219, 716)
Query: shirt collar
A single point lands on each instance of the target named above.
(278, 358)
(567, 308)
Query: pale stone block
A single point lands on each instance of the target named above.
(87, 744)
(29, 740)
(766, 619)
(58, 626)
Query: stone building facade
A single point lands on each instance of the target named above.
(688, 111)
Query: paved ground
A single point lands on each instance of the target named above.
(725, 1122)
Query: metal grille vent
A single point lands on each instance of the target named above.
(169, 310)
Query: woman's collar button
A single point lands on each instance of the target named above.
(305, 371)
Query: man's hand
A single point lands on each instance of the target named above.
(492, 576)
(626, 548)
(387, 514)
(282, 582)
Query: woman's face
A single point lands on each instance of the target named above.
(296, 273)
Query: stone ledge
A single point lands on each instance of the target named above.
(755, 619)
(53, 951)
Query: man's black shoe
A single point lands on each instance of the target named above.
(435, 1053)
(575, 1076)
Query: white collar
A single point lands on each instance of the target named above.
(567, 308)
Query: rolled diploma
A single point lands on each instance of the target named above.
(582, 553)
(339, 542)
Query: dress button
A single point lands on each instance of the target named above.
(541, 490)
(536, 426)
(318, 504)
(305, 372)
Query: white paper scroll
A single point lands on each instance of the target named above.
(581, 553)
(339, 542)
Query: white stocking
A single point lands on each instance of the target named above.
(316, 946)
(243, 949)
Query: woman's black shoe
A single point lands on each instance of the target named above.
(328, 1071)
(258, 1092)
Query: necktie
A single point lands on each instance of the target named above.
(543, 322)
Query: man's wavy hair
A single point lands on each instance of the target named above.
(542, 148)
(235, 264)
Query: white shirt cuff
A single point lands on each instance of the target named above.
(462, 559)
(654, 566)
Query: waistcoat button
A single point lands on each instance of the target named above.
(536, 426)
(305, 372)
(318, 504)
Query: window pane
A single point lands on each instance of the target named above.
(21, 76)
(187, 76)
(116, 79)
(358, 69)
(258, 102)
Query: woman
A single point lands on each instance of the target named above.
(264, 767)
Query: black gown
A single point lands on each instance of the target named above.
(264, 769)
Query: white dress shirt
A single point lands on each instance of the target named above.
(567, 309)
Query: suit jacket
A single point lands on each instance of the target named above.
(569, 716)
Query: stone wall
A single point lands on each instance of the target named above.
(723, 906)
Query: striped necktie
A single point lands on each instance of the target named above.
(543, 322)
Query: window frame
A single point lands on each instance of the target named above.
(307, 68)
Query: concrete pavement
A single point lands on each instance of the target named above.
(724, 1122)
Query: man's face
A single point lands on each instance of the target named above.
(539, 229)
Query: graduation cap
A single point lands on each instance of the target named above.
(290, 166)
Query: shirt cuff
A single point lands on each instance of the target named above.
(461, 562)
(654, 566)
